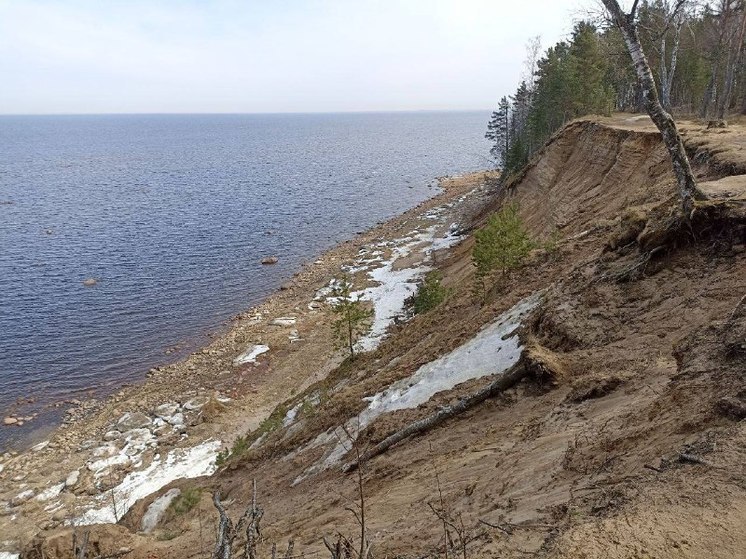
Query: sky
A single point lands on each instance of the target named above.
(259, 56)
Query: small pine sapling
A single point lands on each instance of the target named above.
(503, 244)
(352, 317)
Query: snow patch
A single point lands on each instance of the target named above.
(180, 463)
(492, 351)
(51, 492)
(155, 511)
(395, 286)
(250, 355)
(291, 414)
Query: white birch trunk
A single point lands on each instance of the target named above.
(734, 61)
(687, 188)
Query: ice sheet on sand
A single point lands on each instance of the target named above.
(250, 355)
(180, 463)
(395, 286)
(291, 414)
(157, 508)
(51, 492)
(8, 555)
(492, 351)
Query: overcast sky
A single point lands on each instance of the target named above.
(218, 56)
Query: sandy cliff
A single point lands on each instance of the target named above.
(626, 439)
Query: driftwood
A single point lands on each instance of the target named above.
(340, 549)
(506, 380)
(689, 458)
(228, 531)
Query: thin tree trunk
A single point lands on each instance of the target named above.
(734, 62)
(349, 335)
(663, 74)
(711, 91)
(663, 121)
(674, 59)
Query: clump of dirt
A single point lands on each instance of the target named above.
(596, 386)
(733, 407)
(109, 540)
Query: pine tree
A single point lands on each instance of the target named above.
(353, 319)
(503, 244)
(498, 132)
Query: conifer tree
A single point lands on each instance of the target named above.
(498, 132)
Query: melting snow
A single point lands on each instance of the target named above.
(395, 286)
(492, 351)
(51, 492)
(250, 355)
(180, 463)
(291, 414)
(155, 511)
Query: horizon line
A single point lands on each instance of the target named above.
(268, 113)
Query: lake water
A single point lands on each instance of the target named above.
(172, 215)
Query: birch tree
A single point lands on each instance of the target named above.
(626, 22)
(673, 17)
(734, 61)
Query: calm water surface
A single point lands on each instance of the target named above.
(172, 215)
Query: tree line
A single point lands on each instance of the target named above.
(694, 49)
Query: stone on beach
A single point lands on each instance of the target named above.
(72, 479)
(175, 419)
(195, 403)
(166, 410)
(132, 420)
(40, 446)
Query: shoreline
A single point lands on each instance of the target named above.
(225, 388)
(56, 413)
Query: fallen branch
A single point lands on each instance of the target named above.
(508, 527)
(228, 531)
(694, 459)
(735, 310)
(506, 380)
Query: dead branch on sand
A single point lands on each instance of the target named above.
(249, 522)
(506, 380)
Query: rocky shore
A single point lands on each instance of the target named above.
(110, 453)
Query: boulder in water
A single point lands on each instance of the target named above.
(270, 260)
(89, 282)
